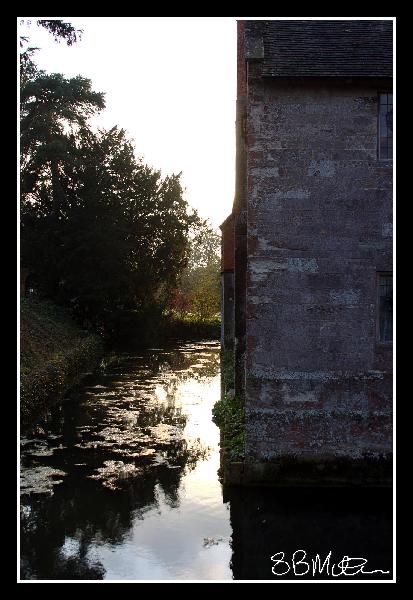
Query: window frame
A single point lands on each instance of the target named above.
(380, 274)
(379, 94)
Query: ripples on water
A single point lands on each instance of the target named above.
(120, 482)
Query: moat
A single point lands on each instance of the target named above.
(120, 482)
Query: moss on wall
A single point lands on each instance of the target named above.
(228, 413)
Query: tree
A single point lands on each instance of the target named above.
(114, 239)
(125, 243)
(199, 289)
(60, 30)
(53, 109)
(53, 112)
(103, 232)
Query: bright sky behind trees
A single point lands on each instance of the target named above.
(171, 83)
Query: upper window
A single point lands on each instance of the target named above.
(385, 126)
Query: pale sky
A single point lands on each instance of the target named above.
(171, 83)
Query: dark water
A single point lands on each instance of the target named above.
(120, 483)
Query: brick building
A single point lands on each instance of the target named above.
(312, 250)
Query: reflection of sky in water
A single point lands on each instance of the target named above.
(143, 434)
(122, 484)
(169, 542)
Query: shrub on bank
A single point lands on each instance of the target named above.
(55, 353)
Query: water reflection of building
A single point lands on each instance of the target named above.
(349, 522)
(312, 252)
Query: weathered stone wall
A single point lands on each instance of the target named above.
(240, 218)
(227, 244)
(227, 309)
(319, 214)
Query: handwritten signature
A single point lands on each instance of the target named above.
(348, 566)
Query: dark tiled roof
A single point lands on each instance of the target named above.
(326, 48)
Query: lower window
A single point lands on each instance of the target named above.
(385, 300)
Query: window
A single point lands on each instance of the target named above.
(385, 126)
(385, 325)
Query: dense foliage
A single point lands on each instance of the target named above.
(198, 295)
(101, 231)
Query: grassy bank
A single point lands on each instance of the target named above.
(55, 352)
(228, 413)
(192, 327)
